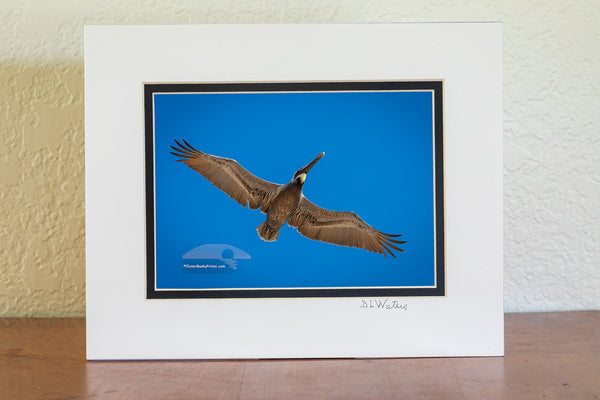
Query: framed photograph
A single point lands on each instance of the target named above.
(293, 191)
(368, 220)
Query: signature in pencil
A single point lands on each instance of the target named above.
(383, 304)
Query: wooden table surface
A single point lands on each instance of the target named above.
(548, 356)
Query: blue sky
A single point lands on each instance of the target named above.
(378, 163)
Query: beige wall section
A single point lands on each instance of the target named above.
(551, 136)
(42, 186)
(42, 235)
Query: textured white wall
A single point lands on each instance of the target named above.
(551, 135)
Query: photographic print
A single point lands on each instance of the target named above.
(294, 189)
(347, 197)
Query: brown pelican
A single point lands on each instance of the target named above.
(286, 203)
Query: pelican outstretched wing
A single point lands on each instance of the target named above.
(229, 176)
(343, 228)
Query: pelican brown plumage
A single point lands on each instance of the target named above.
(286, 203)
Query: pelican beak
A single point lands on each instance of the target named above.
(312, 163)
(302, 177)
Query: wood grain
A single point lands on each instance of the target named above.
(548, 356)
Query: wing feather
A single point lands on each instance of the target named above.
(229, 176)
(343, 228)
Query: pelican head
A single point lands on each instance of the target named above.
(300, 175)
